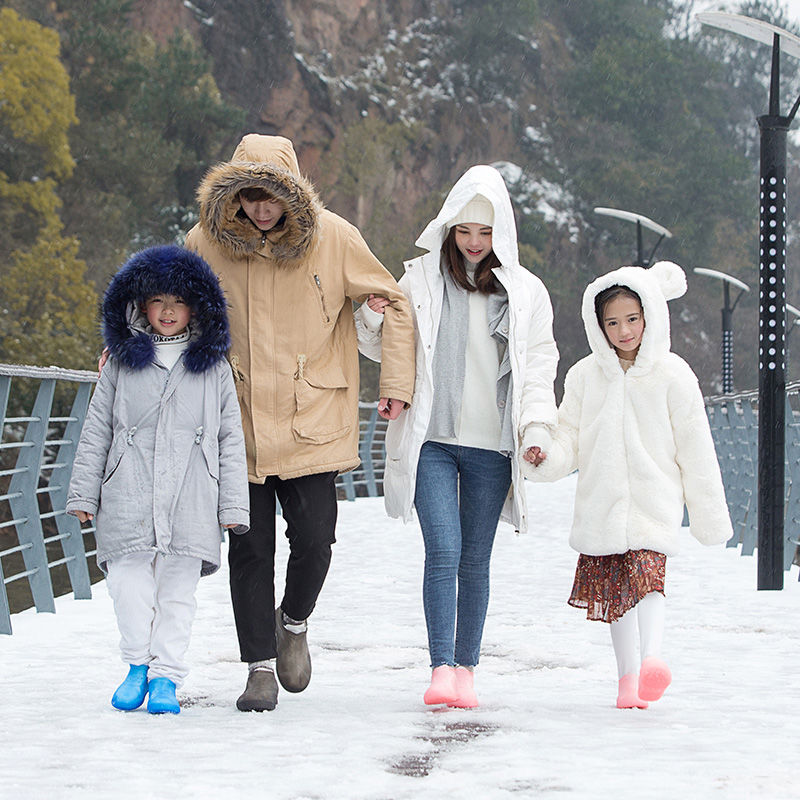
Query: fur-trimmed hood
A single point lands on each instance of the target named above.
(269, 163)
(166, 269)
(655, 286)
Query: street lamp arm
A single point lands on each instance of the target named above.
(738, 297)
(792, 113)
(653, 251)
(630, 216)
(722, 276)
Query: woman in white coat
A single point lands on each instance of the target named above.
(486, 362)
(633, 422)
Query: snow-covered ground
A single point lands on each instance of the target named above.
(728, 727)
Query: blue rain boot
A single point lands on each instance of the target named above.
(162, 697)
(131, 692)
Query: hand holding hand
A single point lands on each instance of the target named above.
(377, 303)
(84, 516)
(389, 408)
(534, 455)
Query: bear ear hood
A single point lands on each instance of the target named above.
(165, 269)
(655, 285)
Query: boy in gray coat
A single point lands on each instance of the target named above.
(161, 461)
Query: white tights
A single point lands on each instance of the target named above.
(649, 613)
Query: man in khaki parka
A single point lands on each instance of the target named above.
(291, 270)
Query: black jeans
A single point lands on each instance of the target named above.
(309, 507)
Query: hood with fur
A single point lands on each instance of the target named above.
(655, 286)
(269, 163)
(165, 269)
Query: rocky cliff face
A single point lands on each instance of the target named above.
(389, 101)
(385, 104)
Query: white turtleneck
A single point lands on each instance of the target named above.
(169, 349)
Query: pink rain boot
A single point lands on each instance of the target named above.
(654, 677)
(443, 686)
(464, 686)
(628, 696)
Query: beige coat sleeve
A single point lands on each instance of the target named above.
(365, 275)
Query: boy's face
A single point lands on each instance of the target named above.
(623, 323)
(167, 314)
(264, 211)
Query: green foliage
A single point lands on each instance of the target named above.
(647, 130)
(151, 121)
(373, 164)
(36, 107)
(36, 110)
(48, 308)
(495, 41)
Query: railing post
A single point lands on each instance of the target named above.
(5, 612)
(25, 506)
(365, 454)
(68, 526)
(349, 485)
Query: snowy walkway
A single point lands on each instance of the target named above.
(728, 727)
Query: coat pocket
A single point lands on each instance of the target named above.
(321, 413)
(210, 449)
(113, 461)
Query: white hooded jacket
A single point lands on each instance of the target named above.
(532, 349)
(640, 439)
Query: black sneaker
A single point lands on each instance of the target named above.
(294, 661)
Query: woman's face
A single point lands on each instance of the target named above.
(263, 211)
(474, 241)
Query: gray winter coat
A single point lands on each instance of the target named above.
(161, 459)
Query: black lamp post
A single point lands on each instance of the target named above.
(727, 320)
(641, 222)
(772, 297)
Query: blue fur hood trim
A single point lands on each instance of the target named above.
(165, 269)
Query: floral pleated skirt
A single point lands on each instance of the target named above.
(609, 586)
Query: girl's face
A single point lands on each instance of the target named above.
(623, 324)
(167, 314)
(264, 212)
(474, 241)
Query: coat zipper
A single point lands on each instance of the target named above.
(322, 298)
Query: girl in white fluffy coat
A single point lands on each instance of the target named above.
(633, 422)
(486, 362)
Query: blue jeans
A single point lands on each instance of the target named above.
(459, 495)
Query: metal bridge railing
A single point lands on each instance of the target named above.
(41, 424)
(43, 410)
(734, 427)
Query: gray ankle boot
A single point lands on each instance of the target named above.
(261, 692)
(294, 661)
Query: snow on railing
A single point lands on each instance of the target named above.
(42, 546)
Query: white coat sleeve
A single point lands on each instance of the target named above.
(704, 493)
(538, 405)
(562, 457)
(369, 330)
